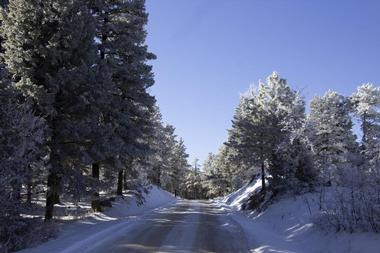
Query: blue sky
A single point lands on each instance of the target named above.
(210, 51)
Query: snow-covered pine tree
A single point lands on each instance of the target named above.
(166, 163)
(179, 166)
(157, 141)
(365, 183)
(262, 127)
(366, 104)
(285, 110)
(121, 43)
(193, 182)
(21, 136)
(330, 132)
(250, 137)
(48, 47)
(221, 175)
(210, 181)
(215, 180)
(293, 163)
(166, 153)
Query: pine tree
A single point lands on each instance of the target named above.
(286, 112)
(249, 134)
(121, 45)
(179, 166)
(46, 43)
(293, 163)
(366, 103)
(263, 124)
(21, 136)
(331, 135)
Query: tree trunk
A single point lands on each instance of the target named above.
(51, 194)
(263, 188)
(125, 180)
(95, 170)
(120, 183)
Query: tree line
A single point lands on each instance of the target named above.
(76, 114)
(272, 138)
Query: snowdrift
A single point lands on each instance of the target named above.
(97, 228)
(289, 225)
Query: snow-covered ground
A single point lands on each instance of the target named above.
(97, 228)
(288, 225)
(165, 225)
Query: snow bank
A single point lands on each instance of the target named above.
(129, 206)
(86, 234)
(289, 226)
(237, 198)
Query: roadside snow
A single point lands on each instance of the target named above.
(288, 226)
(237, 198)
(86, 234)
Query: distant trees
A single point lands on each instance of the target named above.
(219, 173)
(193, 185)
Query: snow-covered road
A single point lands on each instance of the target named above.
(186, 226)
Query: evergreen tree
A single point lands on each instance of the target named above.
(263, 124)
(249, 134)
(331, 135)
(21, 136)
(46, 43)
(366, 103)
(214, 177)
(286, 112)
(179, 166)
(121, 45)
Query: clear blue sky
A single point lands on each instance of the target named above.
(210, 51)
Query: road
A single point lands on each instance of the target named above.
(187, 226)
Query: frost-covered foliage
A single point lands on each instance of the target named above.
(264, 131)
(221, 175)
(167, 165)
(354, 208)
(330, 131)
(357, 206)
(272, 136)
(193, 187)
(21, 136)
(366, 103)
(77, 118)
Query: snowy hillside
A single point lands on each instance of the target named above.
(97, 228)
(289, 225)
